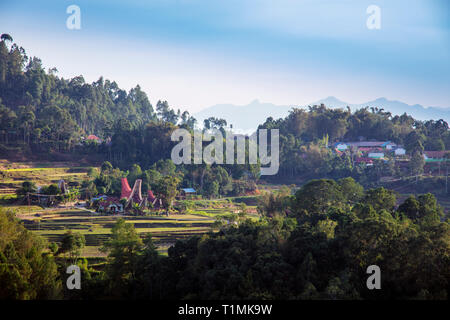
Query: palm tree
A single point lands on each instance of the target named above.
(27, 120)
(136, 209)
(6, 37)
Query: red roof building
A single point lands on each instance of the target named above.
(369, 149)
(435, 154)
(151, 196)
(110, 204)
(126, 190)
(367, 161)
(93, 137)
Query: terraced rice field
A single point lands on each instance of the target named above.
(13, 178)
(97, 228)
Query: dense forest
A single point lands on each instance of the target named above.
(315, 244)
(42, 111)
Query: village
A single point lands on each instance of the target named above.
(133, 199)
(368, 151)
(50, 200)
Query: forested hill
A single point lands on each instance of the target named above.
(43, 113)
(40, 105)
(304, 136)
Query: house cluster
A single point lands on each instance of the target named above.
(128, 197)
(368, 151)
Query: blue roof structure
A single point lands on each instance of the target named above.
(189, 190)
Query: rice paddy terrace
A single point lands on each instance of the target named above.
(13, 174)
(52, 223)
(97, 228)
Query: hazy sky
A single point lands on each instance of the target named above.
(197, 53)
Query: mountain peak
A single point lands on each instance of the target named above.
(331, 99)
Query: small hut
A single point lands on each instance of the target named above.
(187, 193)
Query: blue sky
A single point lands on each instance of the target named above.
(196, 53)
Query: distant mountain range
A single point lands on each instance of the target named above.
(248, 117)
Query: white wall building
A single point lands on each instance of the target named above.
(341, 146)
(376, 155)
(400, 152)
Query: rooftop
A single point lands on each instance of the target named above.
(435, 154)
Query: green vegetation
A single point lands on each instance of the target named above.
(238, 237)
(54, 225)
(305, 136)
(43, 115)
(311, 245)
(304, 248)
(26, 270)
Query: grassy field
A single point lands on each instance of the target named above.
(13, 178)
